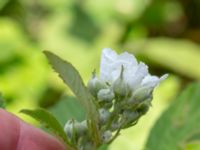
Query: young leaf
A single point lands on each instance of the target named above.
(49, 121)
(72, 78)
(178, 122)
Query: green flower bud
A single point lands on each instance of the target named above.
(140, 96)
(105, 95)
(80, 128)
(69, 128)
(115, 126)
(104, 115)
(86, 144)
(75, 129)
(144, 107)
(106, 136)
(130, 115)
(94, 85)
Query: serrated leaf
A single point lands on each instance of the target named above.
(49, 121)
(179, 121)
(72, 78)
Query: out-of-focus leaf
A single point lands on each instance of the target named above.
(72, 78)
(49, 97)
(83, 20)
(2, 104)
(180, 56)
(70, 108)
(193, 146)
(103, 147)
(193, 142)
(48, 120)
(179, 121)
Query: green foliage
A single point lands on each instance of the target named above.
(72, 78)
(48, 120)
(70, 108)
(2, 104)
(193, 146)
(180, 56)
(179, 124)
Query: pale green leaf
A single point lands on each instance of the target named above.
(72, 78)
(179, 56)
(193, 146)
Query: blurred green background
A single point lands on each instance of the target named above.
(165, 34)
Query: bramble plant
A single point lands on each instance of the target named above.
(113, 101)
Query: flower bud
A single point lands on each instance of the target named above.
(104, 115)
(105, 95)
(121, 88)
(130, 117)
(80, 127)
(74, 128)
(69, 128)
(94, 85)
(143, 108)
(115, 126)
(143, 93)
(106, 136)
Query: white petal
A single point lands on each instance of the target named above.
(135, 75)
(127, 58)
(152, 81)
(108, 57)
(163, 77)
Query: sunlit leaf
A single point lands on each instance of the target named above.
(179, 56)
(178, 122)
(72, 78)
(193, 146)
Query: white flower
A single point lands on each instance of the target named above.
(135, 74)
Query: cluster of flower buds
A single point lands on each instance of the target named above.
(123, 93)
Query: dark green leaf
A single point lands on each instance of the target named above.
(48, 120)
(2, 103)
(178, 122)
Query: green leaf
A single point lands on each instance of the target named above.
(178, 122)
(49, 121)
(193, 146)
(2, 103)
(193, 142)
(72, 78)
(180, 56)
(70, 108)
